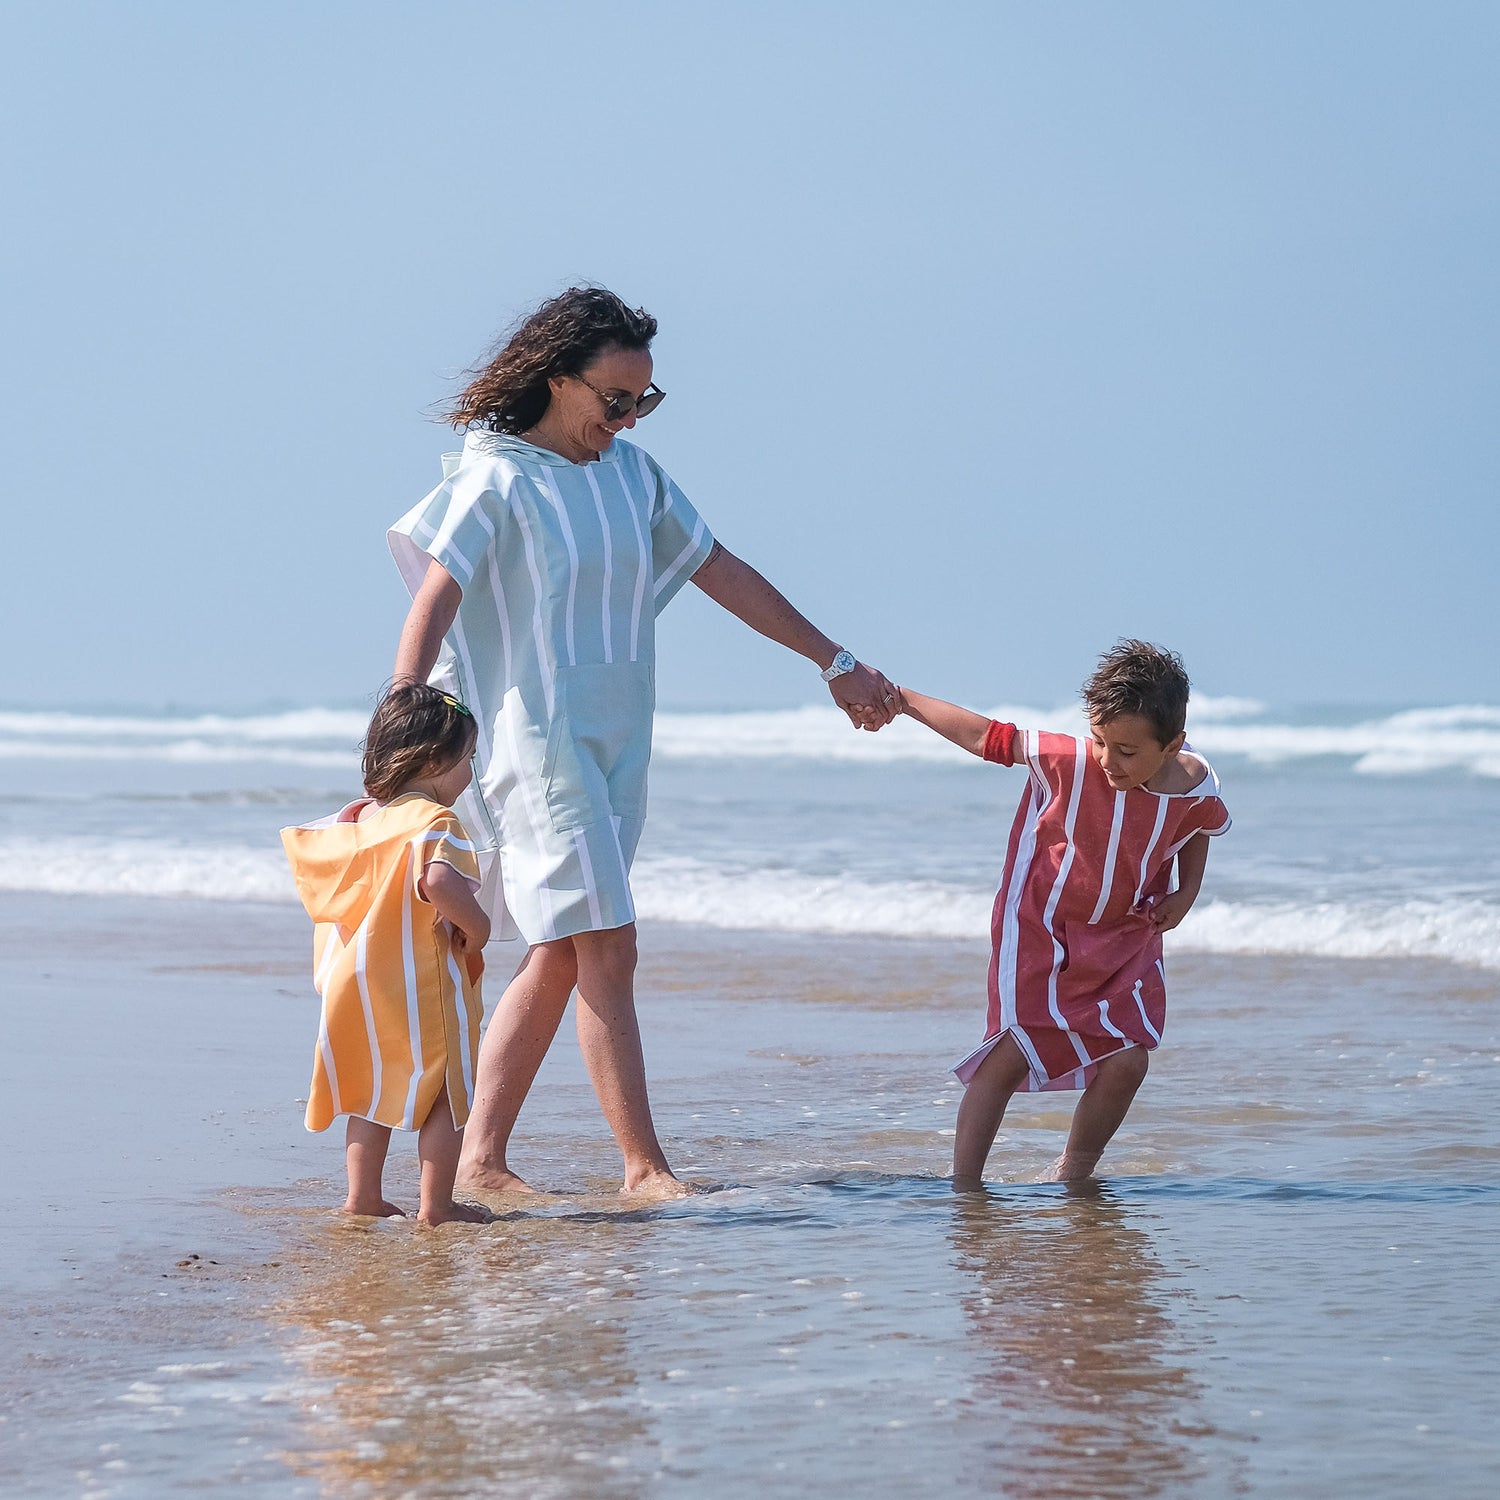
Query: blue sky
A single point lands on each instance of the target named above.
(992, 331)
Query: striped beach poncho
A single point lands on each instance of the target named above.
(1076, 971)
(400, 1013)
(563, 569)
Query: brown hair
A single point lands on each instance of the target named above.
(562, 337)
(415, 728)
(1135, 677)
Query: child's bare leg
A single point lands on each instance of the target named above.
(438, 1145)
(515, 1042)
(365, 1145)
(1100, 1112)
(982, 1109)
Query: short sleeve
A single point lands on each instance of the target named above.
(680, 540)
(454, 525)
(447, 842)
(1213, 817)
(1000, 743)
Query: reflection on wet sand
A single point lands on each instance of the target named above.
(451, 1363)
(1082, 1373)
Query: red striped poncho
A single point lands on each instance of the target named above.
(1077, 971)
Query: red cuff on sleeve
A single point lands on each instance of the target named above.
(1000, 743)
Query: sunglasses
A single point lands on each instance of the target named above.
(622, 405)
(453, 702)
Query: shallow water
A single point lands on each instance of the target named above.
(1283, 1285)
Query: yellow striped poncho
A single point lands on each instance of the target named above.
(400, 1014)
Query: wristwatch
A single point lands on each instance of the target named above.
(843, 662)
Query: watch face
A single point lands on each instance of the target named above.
(844, 661)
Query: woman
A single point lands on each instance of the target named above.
(536, 570)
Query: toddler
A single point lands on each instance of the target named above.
(1077, 988)
(389, 883)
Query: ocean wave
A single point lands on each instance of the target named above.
(1464, 737)
(687, 890)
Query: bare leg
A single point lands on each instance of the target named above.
(365, 1146)
(610, 1037)
(982, 1109)
(1100, 1113)
(438, 1143)
(520, 1031)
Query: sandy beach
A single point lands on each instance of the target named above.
(1273, 1290)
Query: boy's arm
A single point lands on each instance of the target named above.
(451, 894)
(961, 725)
(1192, 860)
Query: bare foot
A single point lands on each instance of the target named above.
(457, 1213)
(477, 1179)
(968, 1184)
(379, 1209)
(655, 1185)
(1070, 1169)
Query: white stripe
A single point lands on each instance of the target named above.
(1009, 956)
(1140, 1005)
(439, 835)
(1109, 857)
(609, 561)
(409, 966)
(615, 822)
(1059, 953)
(1161, 818)
(1033, 1057)
(331, 950)
(590, 886)
(538, 826)
(461, 1009)
(644, 570)
(1109, 1025)
(568, 541)
(538, 624)
(468, 683)
(502, 615)
(325, 1048)
(442, 539)
(691, 550)
(376, 1071)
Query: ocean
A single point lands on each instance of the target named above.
(1356, 835)
(1280, 1285)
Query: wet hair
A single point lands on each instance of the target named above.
(1135, 677)
(415, 729)
(562, 337)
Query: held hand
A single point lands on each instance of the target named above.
(469, 953)
(866, 696)
(1165, 912)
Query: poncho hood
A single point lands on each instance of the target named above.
(479, 443)
(333, 865)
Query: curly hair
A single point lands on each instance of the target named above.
(415, 729)
(1135, 677)
(562, 337)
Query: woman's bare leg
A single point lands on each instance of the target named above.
(610, 1036)
(365, 1146)
(1100, 1112)
(519, 1034)
(981, 1110)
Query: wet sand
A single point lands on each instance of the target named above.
(1281, 1286)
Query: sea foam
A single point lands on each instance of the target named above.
(1463, 737)
(681, 889)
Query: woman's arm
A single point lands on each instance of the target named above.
(454, 899)
(863, 694)
(963, 726)
(427, 621)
